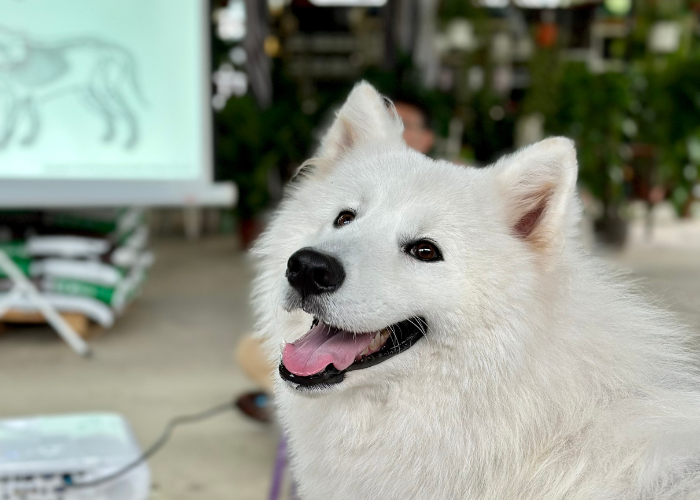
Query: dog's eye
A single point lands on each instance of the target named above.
(425, 251)
(344, 218)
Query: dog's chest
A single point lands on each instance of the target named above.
(367, 450)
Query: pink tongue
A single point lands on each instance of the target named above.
(322, 346)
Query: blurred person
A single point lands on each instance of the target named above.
(418, 135)
(416, 125)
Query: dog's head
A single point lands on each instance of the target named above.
(382, 262)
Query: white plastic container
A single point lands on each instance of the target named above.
(42, 456)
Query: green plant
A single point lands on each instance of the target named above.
(591, 109)
(251, 143)
(682, 127)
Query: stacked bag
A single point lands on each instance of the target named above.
(92, 262)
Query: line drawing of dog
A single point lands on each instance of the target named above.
(440, 333)
(33, 73)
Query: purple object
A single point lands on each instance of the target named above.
(278, 471)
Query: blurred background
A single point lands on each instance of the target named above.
(143, 148)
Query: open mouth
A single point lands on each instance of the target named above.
(325, 354)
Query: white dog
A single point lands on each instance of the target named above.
(440, 334)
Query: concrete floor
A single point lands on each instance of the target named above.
(173, 354)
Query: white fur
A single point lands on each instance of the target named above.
(541, 375)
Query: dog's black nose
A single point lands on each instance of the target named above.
(311, 272)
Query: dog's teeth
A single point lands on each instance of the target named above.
(377, 341)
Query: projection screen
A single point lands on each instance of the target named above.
(106, 103)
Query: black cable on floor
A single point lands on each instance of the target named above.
(155, 447)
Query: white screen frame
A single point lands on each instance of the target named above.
(57, 193)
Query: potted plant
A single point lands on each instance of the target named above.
(592, 109)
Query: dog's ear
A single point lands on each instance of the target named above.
(365, 117)
(538, 184)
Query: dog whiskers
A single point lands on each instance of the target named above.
(396, 338)
(420, 326)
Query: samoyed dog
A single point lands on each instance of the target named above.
(440, 334)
